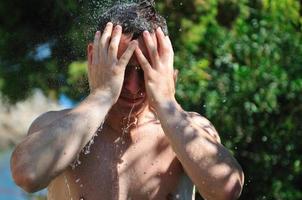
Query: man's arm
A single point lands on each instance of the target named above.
(195, 141)
(52, 146)
(45, 119)
(45, 153)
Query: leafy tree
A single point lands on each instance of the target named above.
(253, 93)
(240, 64)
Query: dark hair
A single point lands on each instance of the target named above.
(134, 18)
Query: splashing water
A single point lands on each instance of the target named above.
(49, 193)
(94, 11)
(68, 187)
(86, 149)
(128, 124)
(76, 163)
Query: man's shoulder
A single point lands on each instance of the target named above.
(45, 119)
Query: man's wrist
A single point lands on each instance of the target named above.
(167, 106)
(102, 96)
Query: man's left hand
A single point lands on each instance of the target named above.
(159, 74)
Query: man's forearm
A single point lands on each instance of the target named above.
(211, 167)
(47, 152)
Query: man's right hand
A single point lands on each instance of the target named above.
(105, 70)
(57, 138)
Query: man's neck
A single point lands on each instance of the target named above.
(124, 123)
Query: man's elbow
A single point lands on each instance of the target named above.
(234, 187)
(23, 177)
(234, 193)
(230, 189)
(26, 181)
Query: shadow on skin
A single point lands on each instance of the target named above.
(29, 175)
(153, 178)
(218, 161)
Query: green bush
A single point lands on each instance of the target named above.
(252, 90)
(240, 64)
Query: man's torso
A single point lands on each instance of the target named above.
(137, 165)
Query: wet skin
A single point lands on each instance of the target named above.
(147, 142)
(137, 163)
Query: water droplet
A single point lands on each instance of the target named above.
(126, 127)
(78, 180)
(68, 187)
(76, 163)
(86, 149)
(264, 139)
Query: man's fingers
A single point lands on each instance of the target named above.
(124, 60)
(105, 39)
(144, 63)
(171, 51)
(151, 47)
(169, 42)
(115, 40)
(163, 43)
(95, 54)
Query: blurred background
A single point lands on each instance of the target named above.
(240, 64)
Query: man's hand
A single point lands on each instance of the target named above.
(105, 70)
(159, 74)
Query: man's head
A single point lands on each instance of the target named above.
(134, 18)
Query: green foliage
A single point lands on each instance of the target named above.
(253, 95)
(240, 64)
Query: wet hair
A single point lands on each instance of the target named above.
(134, 18)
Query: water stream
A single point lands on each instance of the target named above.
(86, 149)
(68, 187)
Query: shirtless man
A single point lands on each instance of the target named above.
(147, 145)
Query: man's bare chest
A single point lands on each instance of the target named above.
(142, 166)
